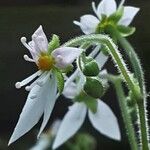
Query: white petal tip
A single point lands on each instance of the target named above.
(18, 85)
(9, 144)
(11, 141)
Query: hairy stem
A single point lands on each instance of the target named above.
(125, 112)
(139, 74)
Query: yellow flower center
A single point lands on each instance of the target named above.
(45, 62)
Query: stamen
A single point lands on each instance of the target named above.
(121, 3)
(94, 8)
(27, 80)
(27, 58)
(77, 23)
(28, 88)
(23, 41)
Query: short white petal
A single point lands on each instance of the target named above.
(65, 56)
(40, 40)
(89, 24)
(30, 114)
(128, 15)
(50, 98)
(70, 91)
(106, 7)
(101, 59)
(105, 121)
(70, 124)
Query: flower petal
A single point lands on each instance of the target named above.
(30, 114)
(105, 121)
(106, 7)
(73, 89)
(70, 124)
(101, 59)
(65, 56)
(88, 24)
(128, 15)
(70, 91)
(40, 40)
(50, 99)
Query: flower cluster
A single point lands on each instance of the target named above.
(85, 86)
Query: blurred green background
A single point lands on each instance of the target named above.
(21, 18)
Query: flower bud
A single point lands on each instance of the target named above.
(91, 69)
(94, 87)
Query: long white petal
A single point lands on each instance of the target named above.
(70, 124)
(105, 121)
(106, 7)
(65, 56)
(50, 98)
(128, 15)
(31, 112)
(101, 59)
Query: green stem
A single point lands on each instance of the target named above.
(135, 61)
(112, 49)
(125, 113)
(144, 127)
(133, 58)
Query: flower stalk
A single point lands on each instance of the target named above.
(117, 81)
(139, 74)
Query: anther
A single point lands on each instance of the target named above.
(18, 85)
(27, 58)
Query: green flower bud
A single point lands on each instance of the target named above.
(91, 69)
(94, 87)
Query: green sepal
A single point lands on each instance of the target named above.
(125, 30)
(54, 43)
(90, 102)
(94, 87)
(60, 79)
(67, 69)
(104, 50)
(115, 17)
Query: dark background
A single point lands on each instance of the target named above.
(21, 18)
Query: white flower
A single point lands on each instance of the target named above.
(89, 23)
(103, 120)
(43, 90)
